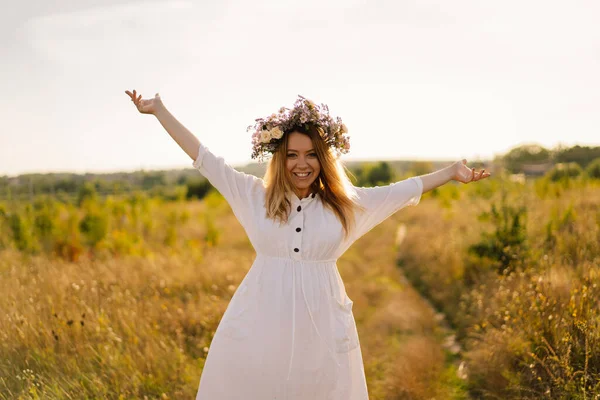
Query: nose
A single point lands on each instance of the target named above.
(301, 162)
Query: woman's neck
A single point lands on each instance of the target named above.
(304, 193)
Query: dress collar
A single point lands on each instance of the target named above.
(307, 199)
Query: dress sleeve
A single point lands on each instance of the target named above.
(238, 188)
(381, 202)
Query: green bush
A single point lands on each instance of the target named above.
(502, 249)
(564, 171)
(94, 227)
(4, 237)
(593, 169)
(86, 192)
(211, 238)
(23, 236)
(45, 216)
(369, 175)
(525, 154)
(197, 188)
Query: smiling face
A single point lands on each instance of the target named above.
(302, 163)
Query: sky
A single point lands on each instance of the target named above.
(411, 79)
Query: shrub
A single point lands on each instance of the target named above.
(593, 170)
(211, 238)
(22, 233)
(503, 248)
(86, 192)
(369, 175)
(381, 174)
(197, 188)
(94, 227)
(564, 171)
(525, 154)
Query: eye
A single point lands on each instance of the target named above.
(313, 154)
(291, 155)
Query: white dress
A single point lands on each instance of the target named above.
(289, 332)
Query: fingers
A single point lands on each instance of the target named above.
(135, 98)
(134, 95)
(474, 175)
(467, 174)
(131, 95)
(481, 175)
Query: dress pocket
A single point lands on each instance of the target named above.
(237, 321)
(345, 334)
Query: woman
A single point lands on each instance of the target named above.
(289, 331)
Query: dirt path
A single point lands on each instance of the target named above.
(408, 349)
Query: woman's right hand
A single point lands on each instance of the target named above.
(464, 174)
(145, 106)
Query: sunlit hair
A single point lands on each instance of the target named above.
(332, 184)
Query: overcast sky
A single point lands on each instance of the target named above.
(412, 79)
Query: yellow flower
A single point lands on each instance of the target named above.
(344, 129)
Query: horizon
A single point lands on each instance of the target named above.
(346, 160)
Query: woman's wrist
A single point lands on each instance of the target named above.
(453, 170)
(160, 111)
(437, 178)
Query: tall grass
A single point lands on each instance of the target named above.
(516, 269)
(120, 299)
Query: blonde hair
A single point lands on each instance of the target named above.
(332, 184)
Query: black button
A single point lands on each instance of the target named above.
(298, 229)
(299, 208)
(313, 195)
(296, 249)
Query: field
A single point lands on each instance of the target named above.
(515, 268)
(488, 290)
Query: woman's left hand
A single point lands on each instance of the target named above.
(464, 174)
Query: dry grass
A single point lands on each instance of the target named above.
(401, 339)
(534, 331)
(112, 325)
(130, 326)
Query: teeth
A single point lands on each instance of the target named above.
(303, 174)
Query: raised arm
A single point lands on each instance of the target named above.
(184, 138)
(457, 172)
(239, 189)
(380, 202)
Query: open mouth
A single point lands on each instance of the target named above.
(302, 175)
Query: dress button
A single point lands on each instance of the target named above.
(299, 208)
(296, 249)
(298, 229)
(313, 195)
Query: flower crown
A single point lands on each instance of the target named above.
(269, 132)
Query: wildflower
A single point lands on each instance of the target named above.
(268, 132)
(276, 133)
(265, 136)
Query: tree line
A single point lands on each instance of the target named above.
(188, 184)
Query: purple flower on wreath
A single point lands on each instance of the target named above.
(269, 132)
